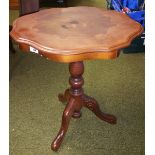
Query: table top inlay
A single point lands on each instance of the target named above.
(75, 31)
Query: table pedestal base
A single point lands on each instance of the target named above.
(76, 99)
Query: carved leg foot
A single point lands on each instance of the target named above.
(92, 105)
(67, 114)
(64, 97)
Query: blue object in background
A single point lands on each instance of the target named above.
(135, 9)
(131, 4)
(138, 16)
(134, 6)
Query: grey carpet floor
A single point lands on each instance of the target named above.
(35, 112)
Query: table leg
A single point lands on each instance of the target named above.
(92, 105)
(64, 97)
(76, 100)
(67, 114)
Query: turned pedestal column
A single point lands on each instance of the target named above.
(76, 99)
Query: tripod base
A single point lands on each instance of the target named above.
(76, 99)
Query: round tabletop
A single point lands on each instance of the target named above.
(75, 33)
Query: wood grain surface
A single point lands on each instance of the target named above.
(75, 33)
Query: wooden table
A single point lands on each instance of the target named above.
(72, 35)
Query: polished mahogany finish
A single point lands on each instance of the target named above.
(72, 35)
(25, 7)
(75, 33)
(76, 99)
